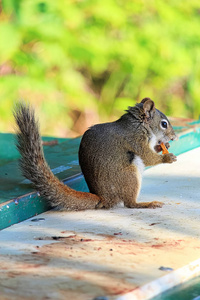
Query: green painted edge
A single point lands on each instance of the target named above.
(186, 142)
(27, 206)
(20, 209)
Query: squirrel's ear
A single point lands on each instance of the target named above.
(145, 99)
(148, 107)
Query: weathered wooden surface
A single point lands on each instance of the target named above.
(86, 254)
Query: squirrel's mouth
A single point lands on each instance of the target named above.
(158, 147)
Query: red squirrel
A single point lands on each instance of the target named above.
(112, 157)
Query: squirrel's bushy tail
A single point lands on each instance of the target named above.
(35, 168)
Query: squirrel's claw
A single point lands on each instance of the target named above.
(169, 158)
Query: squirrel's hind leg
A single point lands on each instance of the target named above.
(133, 178)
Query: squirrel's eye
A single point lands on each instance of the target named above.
(164, 124)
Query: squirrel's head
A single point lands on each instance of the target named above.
(156, 121)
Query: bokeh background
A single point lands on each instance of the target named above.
(80, 62)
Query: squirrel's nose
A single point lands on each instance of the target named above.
(174, 138)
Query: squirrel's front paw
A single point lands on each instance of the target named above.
(169, 158)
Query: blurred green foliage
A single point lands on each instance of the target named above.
(84, 61)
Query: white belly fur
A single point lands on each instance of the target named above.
(138, 162)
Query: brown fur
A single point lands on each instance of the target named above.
(111, 157)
